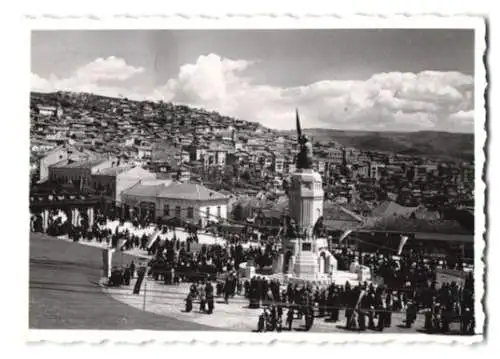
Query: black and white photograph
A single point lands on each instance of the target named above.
(262, 181)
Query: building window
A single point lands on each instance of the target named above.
(207, 211)
(218, 212)
(190, 213)
(178, 212)
(166, 210)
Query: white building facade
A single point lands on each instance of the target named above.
(183, 201)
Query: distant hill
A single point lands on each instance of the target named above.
(444, 145)
(454, 146)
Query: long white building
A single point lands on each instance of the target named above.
(185, 201)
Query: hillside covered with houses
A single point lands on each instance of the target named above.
(379, 190)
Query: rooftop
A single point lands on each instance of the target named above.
(113, 171)
(82, 164)
(175, 190)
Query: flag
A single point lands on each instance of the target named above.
(402, 244)
(358, 303)
(152, 238)
(344, 235)
(141, 273)
(361, 295)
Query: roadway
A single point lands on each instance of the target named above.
(64, 292)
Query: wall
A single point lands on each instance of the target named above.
(199, 208)
(101, 166)
(68, 173)
(202, 213)
(106, 181)
(50, 159)
(76, 173)
(122, 184)
(130, 178)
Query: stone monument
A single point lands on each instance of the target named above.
(302, 257)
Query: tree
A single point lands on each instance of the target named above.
(237, 212)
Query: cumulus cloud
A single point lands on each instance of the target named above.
(462, 121)
(429, 100)
(386, 101)
(99, 76)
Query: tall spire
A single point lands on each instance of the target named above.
(299, 130)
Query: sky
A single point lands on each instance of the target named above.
(352, 79)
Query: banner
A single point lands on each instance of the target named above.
(344, 235)
(141, 273)
(402, 244)
(107, 257)
(152, 237)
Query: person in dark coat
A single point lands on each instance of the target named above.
(203, 297)
(273, 318)
(336, 304)
(390, 308)
(279, 325)
(309, 318)
(362, 311)
(279, 310)
(227, 288)
(262, 323)
(371, 304)
(428, 318)
(349, 301)
(445, 319)
(246, 287)
(126, 276)
(263, 290)
(467, 326)
(289, 318)
(381, 307)
(411, 313)
(218, 288)
(209, 291)
(189, 302)
(132, 269)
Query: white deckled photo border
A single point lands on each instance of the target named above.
(180, 21)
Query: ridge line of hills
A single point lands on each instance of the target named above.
(433, 144)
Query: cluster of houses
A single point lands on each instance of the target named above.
(105, 138)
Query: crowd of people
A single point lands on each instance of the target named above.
(363, 307)
(410, 282)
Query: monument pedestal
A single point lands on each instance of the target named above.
(306, 266)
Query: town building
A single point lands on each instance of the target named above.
(78, 173)
(376, 170)
(184, 201)
(112, 181)
(278, 164)
(50, 158)
(335, 155)
(422, 171)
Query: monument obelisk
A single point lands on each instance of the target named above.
(306, 208)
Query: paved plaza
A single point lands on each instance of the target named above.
(168, 301)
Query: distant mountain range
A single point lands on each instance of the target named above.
(445, 145)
